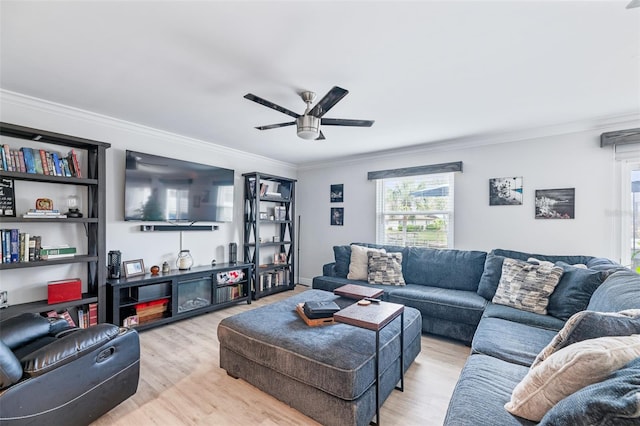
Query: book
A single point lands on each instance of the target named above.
(15, 245)
(7, 158)
(56, 163)
(93, 314)
(75, 164)
(37, 247)
(43, 216)
(67, 317)
(320, 308)
(38, 162)
(56, 256)
(32, 247)
(23, 167)
(3, 159)
(43, 160)
(29, 162)
(7, 198)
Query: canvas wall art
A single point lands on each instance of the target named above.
(505, 191)
(556, 203)
(337, 193)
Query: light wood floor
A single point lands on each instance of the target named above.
(181, 382)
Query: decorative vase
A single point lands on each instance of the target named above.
(185, 261)
(165, 268)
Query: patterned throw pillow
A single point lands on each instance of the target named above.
(358, 267)
(385, 268)
(526, 286)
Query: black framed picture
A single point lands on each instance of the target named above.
(337, 216)
(556, 203)
(505, 191)
(337, 193)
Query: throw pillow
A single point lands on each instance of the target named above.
(590, 325)
(385, 268)
(573, 292)
(615, 401)
(342, 255)
(359, 265)
(568, 371)
(490, 276)
(526, 286)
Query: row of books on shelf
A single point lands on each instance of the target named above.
(226, 294)
(81, 317)
(273, 279)
(19, 247)
(39, 161)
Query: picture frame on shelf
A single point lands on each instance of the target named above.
(7, 198)
(133, 268)
(263, 215)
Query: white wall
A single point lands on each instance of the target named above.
(572, 160)
(152, 247)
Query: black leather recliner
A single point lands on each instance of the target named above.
(53, 374)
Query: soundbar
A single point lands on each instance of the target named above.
(163, 228)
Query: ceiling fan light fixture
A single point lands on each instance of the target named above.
(308, 127)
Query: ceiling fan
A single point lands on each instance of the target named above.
(308, 124)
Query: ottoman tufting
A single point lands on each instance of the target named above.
(325, 372)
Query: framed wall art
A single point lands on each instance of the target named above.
(337, 216)
(337, 193)
(505, 191)
(556, 203)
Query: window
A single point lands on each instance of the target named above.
(415, 210)
(631, 229)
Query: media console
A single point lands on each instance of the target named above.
(151, 300)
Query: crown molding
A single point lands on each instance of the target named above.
(598, 124)
(77, 114)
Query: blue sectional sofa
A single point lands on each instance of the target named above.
(454, 292)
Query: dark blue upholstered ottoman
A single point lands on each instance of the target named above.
(325, 372)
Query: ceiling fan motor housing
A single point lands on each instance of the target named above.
(308, 127)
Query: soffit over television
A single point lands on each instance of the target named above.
(161, 189)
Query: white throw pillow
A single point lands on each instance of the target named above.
(359, 265)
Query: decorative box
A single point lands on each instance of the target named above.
(64, 290)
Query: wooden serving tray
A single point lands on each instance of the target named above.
(312, 322)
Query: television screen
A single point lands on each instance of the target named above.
(165, 189)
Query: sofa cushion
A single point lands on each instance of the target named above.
(444, 268)
(359, 263)
(517, 315)
(571, 260)
(510, 341)
(453, 305)
(342, 255)
(573, 292)
(490, 276)
(568, 371)
(526, 286)
(620, 291)
(590, 325)
(480, 394)
(614, 401)
(385, 268)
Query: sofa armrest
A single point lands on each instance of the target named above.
(67, 348)
(329, 269)
(10, 368)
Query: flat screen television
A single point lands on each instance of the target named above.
(165, 189)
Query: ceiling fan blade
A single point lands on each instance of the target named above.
(330, 99)
(275, 126)
(346, 122)
(270, 104)
(320, 137)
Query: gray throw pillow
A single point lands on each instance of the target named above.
(591, 325)
(526, 286)
(490, 276)
(573, 292)
(614, 401)
(385, 268)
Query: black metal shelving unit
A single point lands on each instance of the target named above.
(273, 261)
(94, 221)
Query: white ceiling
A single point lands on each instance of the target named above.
(425, 71)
